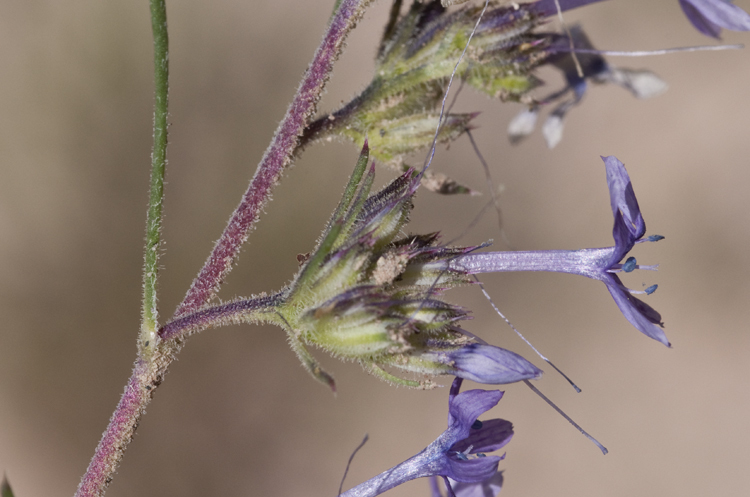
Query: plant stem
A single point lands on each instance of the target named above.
(154, 358)
(253, 310)
(277, 157)
(120, 431)
(149, 318)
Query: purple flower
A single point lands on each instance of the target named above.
(477, 362)
(599, 263)
(710, 16)
(594, 68)
(488, 488)
(486, 364)
(458, 453)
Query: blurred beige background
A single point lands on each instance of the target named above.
(237, 415)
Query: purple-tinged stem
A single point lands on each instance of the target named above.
(152, 360)
(147, 375)
(277, 157)
(239, 311)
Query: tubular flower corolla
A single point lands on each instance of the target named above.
(458, 453)
(601, 264)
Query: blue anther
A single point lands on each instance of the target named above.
(651, 289)
(629, 265)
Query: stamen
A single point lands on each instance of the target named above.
(567, 418)
(629, 265)
(665, 51)
(492, 303)
(351, 458)
(621, 267)
(464, 456)
(579, 70)
(647, 291)
(652, 267)
(472, 224)
(476, 425)
(488, 177)
(652, 238)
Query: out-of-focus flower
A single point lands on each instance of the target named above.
(459, 453)
(710, 16)
(593, 67)
(399, 109)
(599, 263)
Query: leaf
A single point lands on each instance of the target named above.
(5, 490)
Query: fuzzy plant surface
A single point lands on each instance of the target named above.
(377, 289)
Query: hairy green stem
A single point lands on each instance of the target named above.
(149, 321)
(155, 354)
(153, 359)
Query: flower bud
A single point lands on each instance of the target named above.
(477, 362)
(397, 112)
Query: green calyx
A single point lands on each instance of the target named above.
(368, 295)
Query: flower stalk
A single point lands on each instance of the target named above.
(156, 354)
(276, 158)
(150, 312)
(152, 359)
(397, 112)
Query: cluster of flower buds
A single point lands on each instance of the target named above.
(369, 295)
(398, 112)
